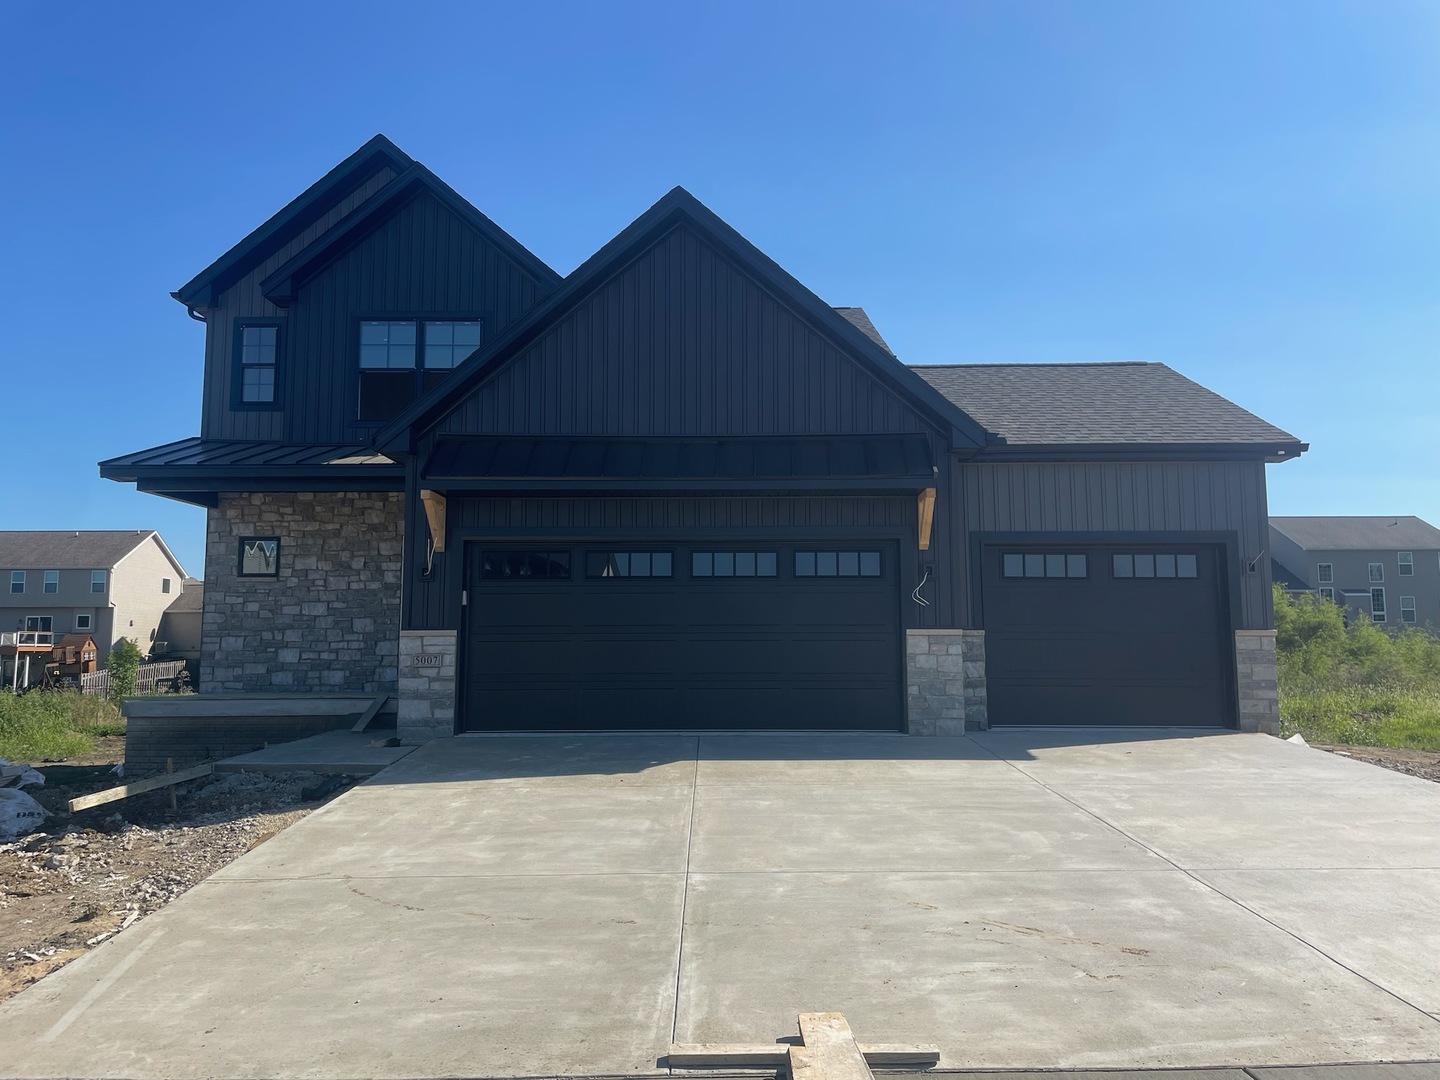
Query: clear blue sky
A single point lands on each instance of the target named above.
(1247, 192)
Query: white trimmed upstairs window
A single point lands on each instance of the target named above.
(1327, 592)
(1377, 571)
(1407, 609)
(17, 581)
(1406, 559)
(1377, 605)
(1325, 573)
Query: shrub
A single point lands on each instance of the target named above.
(37, 725)
(1355, 684)
(123, 665)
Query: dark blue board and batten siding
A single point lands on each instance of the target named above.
(244, 300)
(1124, 497)
(683, 342)
(679, 342)
(422, 261)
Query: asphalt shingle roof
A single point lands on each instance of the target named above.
(1387, 532)
(857, 318)
(191, 598)
(68, 550)
(1104, 404)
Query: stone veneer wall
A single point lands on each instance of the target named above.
(1256, 681)
(945, 681)
(427, 685)
(330, 621)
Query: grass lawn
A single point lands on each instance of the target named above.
(58, 724)
(1364, 716)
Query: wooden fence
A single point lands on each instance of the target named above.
(146, 678)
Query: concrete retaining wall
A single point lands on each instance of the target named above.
(945, 681)
(190, 729)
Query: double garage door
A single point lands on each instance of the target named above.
(1117, 634)
(623, 636)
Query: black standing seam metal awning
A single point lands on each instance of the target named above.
(684, 460)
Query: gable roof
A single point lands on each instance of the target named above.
(280, 287)
(191, 598)
(1103, 405)
(1385, 532)
(291, 219)
(676, 207)
(70, 550)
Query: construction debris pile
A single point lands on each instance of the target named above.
(80, 880)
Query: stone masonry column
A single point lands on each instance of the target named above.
(1256, 681)
(945, 681)
(427, 685)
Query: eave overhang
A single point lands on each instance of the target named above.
(202, 290)
(1271, 453)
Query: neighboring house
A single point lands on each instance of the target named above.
(107, 585)
(180, 626)
(674, 489)
(1386, 567)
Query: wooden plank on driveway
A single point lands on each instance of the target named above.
(830, 1051)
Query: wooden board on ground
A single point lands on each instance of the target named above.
(823, 1038)
(370, 710)
(139, 787)
(830, 1051)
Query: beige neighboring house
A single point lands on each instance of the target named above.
(180, 626)
(111, 585)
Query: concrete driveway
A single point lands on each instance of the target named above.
(522, 906)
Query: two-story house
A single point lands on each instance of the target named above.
(676, 489)
(110, 585)
(1385, 567)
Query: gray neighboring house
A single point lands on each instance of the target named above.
(108, 584)
(1386, 567)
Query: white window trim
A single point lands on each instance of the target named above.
(1404, 608)
(23, 580)
(104, 582)
(45, 585)
(1383, 614)
(1327, 592)
(37, 618)
(89, 622)
(1321, 579)
(1403, 566)
(1370, 572)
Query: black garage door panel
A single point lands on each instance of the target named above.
(1104, 650)
(745, 654)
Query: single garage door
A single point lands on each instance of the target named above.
(698, 636)
(1114, 634)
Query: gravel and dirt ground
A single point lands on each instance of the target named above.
(1422, 763)
(89, 876)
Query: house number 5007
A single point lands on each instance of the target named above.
(427, 660)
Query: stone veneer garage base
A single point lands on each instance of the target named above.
(427, 685)
(945, 681)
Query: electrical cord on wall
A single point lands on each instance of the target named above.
(916, 594)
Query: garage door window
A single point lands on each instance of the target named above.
(1050, 564)
(837, 564)
(629, 564)
(1154, 565)
(525, 566)
(704, 564)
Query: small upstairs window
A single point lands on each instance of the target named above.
(52, 581)
(17, 581)
(97, 580)
(1325, 573)
(164, 584)
(400, 359)
(1406, 559)
(1377, 571)
(258, 353)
